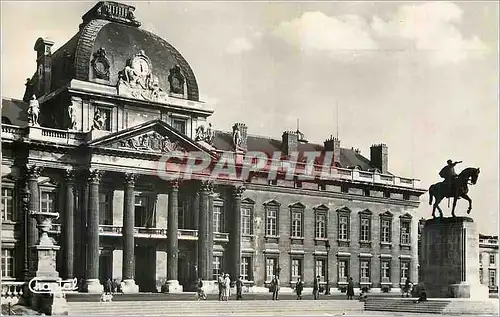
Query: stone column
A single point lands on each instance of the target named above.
(128, 268)
(93, 284)
(68, 227)
(25, 200)
(235, 234)
(205, 233)
(32, 174)
(172, 234)
(195, 207)
(82, 231)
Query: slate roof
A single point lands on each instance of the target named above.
(348, 157)
(15, 111)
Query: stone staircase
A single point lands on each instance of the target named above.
(432, 306)
(210, 307)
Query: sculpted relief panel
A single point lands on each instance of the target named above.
(153, 142)
(136, 80)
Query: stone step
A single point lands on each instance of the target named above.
(488, 307)
(212, 307)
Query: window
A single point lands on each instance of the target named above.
(105, 114)
(364, 273)
(246, 221)
(47, 201)
(271, 221)
(8, 204)
(385, 230)
(246, 268)
(492, 259)
(179, 125)
(344, 189)
(217, 218)
(217, 261)
(343, 267)
(296, 269)
(105, 209)
(385, 271)
(343, 227)
(481, 276)
(364, 229)
(404, 271)
(320, 226)
(296, 224)
(271, 264)
(320, 269)
(405, 232)
(144, 213)
(7, 263)
(492, 277)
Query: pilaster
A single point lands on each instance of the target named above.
(235, 234)
(33, 172)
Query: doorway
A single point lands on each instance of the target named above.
(187, 268)
(105, 266)
(145, 268)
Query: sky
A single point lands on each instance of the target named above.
(421, 77)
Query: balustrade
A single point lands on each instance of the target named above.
(158, 233)
(11, 292)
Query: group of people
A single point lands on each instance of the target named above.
(224, 284)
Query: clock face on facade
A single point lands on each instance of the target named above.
(141, 66)
(101, 67)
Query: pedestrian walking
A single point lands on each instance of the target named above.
(275, 284)
(350, 289)
(316, 287)
(298, 288)
(227, 287)
(220, 282)
(199, 290)
(406, 288)
(239, 288)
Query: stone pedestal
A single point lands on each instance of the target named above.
(129, 287)
(210, 287)
(94, 286)
(449, 262)
(173, 286)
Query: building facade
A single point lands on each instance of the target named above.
(488, 261)
(89, 141)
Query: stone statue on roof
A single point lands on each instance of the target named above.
(33, 111)
(236, 137)
(207, 135)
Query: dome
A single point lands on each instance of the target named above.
(108, 40)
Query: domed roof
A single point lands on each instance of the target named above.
(110, 29)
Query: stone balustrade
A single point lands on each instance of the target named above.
(158, 233)
(11, 292)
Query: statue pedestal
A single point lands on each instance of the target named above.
(129, 287)
(173, 286)
(449, 261)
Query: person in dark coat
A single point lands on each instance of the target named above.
(316, 287)
(350, 289)
(239, 287)
(298, 288)
(406, 288)
(108, 287)
(220, 282)
(275, 284)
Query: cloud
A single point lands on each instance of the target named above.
(317, 32)
(240, 45)
(432, 28)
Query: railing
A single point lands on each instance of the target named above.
(158, 233)
(11, 292)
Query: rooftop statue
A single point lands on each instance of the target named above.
(207, 135)
(454, 186)
(33, 112)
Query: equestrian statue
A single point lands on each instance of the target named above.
(454, 186)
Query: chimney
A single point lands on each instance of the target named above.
(290, 142)
(333, 145)
(44, 65)
(244, 135)
(379, 157)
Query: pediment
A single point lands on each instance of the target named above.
(298, 205)
(321, 207)
(366, 212)
(154, 136)
(406, 216)
(387, 214)
(272, 202)
(247, 201)
(344, 209)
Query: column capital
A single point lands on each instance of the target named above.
(206, 186)
(33, 171)
(130, 179)
(94, 176)
(69, 175)
(173, 184)
(238, 191)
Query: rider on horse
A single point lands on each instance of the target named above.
(449, 174)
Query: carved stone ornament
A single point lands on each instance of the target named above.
(176, 80)
(100, 64)
(136, 80)
(238, 191)
(236, 137)
(100, 118)
(153, 142)
(72, 117)
(207, 135)
(33, 112)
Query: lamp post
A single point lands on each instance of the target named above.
(327, 246)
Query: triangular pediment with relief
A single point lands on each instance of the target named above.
(153, 136)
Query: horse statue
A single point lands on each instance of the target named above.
(458, 190)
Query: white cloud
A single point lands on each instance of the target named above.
(315, 31)
(239, 45)
(432, 28)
